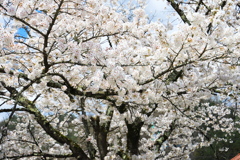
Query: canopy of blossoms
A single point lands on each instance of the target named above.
(122, 86)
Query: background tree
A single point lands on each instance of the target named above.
(224, 149)
(128, 89)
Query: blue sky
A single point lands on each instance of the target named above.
(21, 32)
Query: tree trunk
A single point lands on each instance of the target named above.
(133, 136)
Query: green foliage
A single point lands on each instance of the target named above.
(223, 150)
(13, 122)
(219, 150)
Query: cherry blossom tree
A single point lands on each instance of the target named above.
(124, 87)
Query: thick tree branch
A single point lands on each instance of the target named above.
(179, 11)
(198, 5)
(163, 137)
(99, 95)
(86, 124)
(101, 130)
(48, 128)
(39, 155)
(100, 136)
(17, 109)
(70, 91)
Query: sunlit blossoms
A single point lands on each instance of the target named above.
(100, 80)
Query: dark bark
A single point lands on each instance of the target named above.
(198, 6)
(39, 155)
(179, 11)
(133, 135)
(86, 123)
(73, 91)
(163, 137)
(223, 4)
(100, 136)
